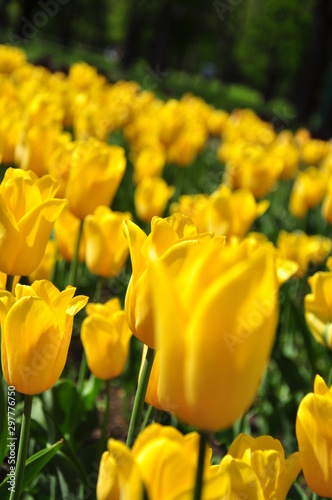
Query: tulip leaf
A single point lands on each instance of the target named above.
(90, 391)
(33, 466)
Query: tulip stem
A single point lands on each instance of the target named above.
(200, 466)
(102, 442)
(98, 289)
(74, 262)
(136, 415)
(23, 447)
(10, 282)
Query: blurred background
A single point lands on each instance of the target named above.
(274, 56)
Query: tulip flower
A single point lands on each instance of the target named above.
(11, 58)
(66, 229)
(313, 432)
(213, 314)
(232, 213)
(36, 327)
(327, 204)
(149, 163)
(27, 214)
(308, 191)
(266, 458)
(302, 249)
(106, 247)
(151, 197)
(193, 206)
(162, 460)
(314, 151)
(106, 338)
(318, 307)
(172, 238)
(95, 174)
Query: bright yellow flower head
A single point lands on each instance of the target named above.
(28, 210)
(213, 314)
(308, 191)
(151, 197)
(318, 307)
(193, 206)
(95, 174)
(162, 460)
(314, 436)
(302, 249)
(327, 203)
(232, 213)
(266, 458)
(171, 238)
(314, 151)
(149, 163)
(11, 58)
(36, 328)
(106, 337)
(106, 247)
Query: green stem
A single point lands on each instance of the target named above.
(10, 282)
(23, 447)
(102, 442)
(135, 420)
(147, 417)
(200, 467)
(74, 262)
(82, 373)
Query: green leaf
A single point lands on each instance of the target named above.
(33, 466)
(91, 389)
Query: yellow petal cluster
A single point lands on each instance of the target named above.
(28, 210)
(318, 307)
(314, 436)
(36, 328)
(106, 337)
(151, 197)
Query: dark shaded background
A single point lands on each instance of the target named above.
(280, 48)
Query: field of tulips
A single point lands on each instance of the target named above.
(165, 295)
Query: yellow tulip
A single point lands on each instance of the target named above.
(149, 163)
(327, 203)
(28, 210)
(194, 207)
(162, 460)
(45, 268)
(151, 197)
(308, 191)
(66, 230)
(36, 145)
(36, 327)
(172, 238)
(314, 436)
(266, 457)
(106, 247)
(302, 249)
(95, 174)
(106, 337)
(314, 151)
(318, 307)
(11, 58)
(213, 315)
(232, 213)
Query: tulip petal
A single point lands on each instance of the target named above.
(107, 483)
(32, 339)
(129, 477)
(239, 312)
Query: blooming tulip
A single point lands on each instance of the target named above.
(266, 457)
(213, 314)
(106, 337)
(301, 248)
(308, 191)
(27, 214)
(36, 327)
(318, 307)
(172, 238)
(162, 460)
(151, 197)
(106, 246)
(95, 174)
(314, 436)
